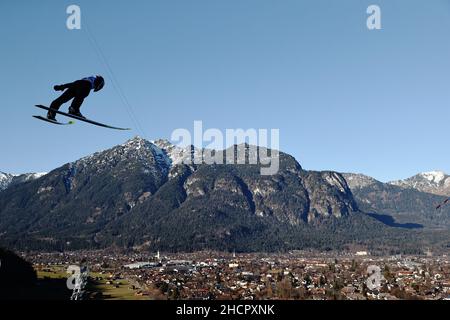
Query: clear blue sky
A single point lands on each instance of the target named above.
(344, 98)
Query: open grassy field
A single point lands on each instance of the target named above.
(97, 288)
(52, 285)
(120, 289)
(53, 272)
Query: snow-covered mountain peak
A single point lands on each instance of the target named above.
(178, 155)
(434, 176)
(436, 182)
(7, 179)
(137, 149)
(137, 142)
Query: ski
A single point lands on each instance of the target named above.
(81, 119)
(54, 121)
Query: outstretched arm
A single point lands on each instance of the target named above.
(63, 86)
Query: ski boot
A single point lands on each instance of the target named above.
(51, 115)
(77, 113)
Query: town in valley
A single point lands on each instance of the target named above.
(248, 276)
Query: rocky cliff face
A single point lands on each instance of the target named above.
(329, 195)
(291, 196)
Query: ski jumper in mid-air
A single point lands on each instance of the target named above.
(77, 91)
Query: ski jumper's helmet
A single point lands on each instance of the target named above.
(99, 82)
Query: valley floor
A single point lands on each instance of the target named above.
(251, 276)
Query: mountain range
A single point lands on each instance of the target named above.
(142, 195)
(435, 182)
(401, 203)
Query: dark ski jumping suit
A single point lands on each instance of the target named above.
(77, 91)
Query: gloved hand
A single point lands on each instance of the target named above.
(58, 88)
